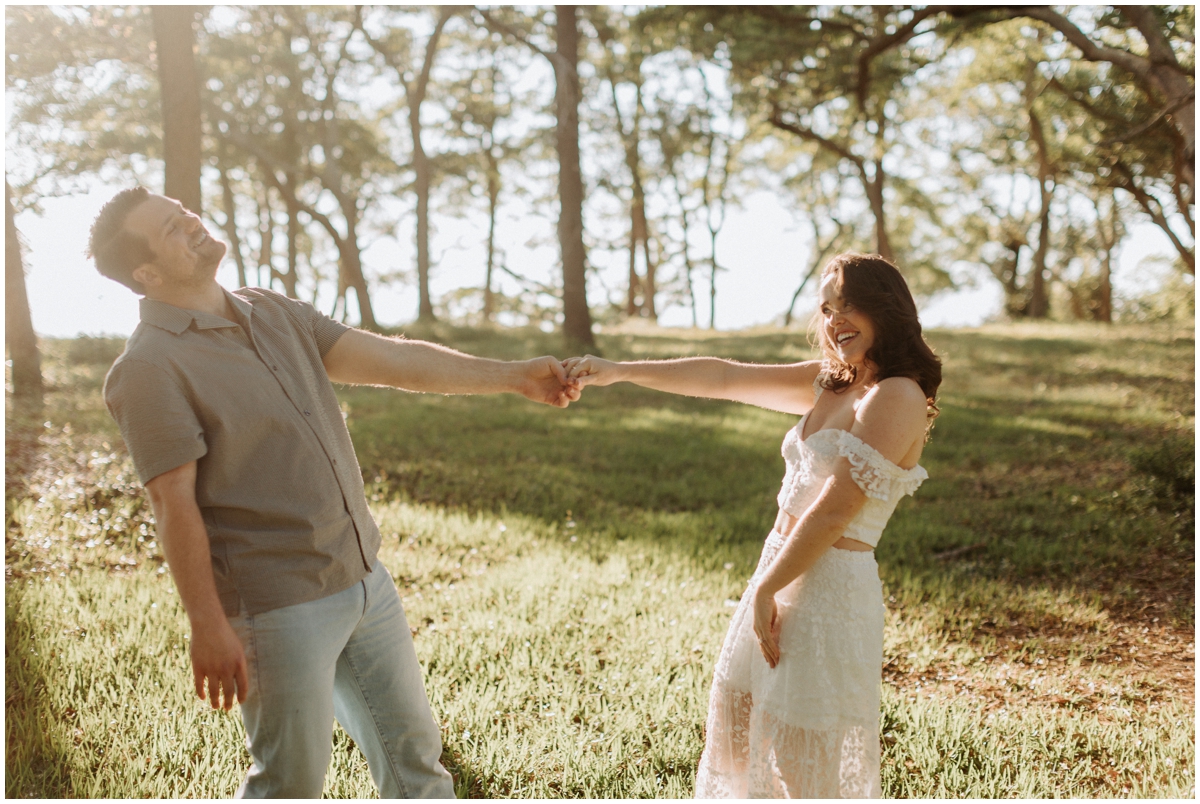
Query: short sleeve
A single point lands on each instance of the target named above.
(879, 478)
(324, 329)
(157, 422)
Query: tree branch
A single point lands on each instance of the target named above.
(1153, 208)
(883, 44)
(1157, 45)
(1139, 66)
(504, 29)
(803, 132)
(271, 165)
(1142, 129)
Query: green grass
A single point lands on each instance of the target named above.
(569, 576)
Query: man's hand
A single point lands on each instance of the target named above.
(217, 656)
(218, 659)
(545, 380)
(591, 370)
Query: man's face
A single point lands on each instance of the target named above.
(186, 256)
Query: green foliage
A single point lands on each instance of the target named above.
(569, 576)
(908, 125)
(84, 95)
(1173, 300)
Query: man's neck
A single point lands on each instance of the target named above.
(207, 299)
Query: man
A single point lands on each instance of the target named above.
(226, 404)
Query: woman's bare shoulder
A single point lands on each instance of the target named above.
(892, 417)
(900, 391)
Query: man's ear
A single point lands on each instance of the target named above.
(147, 276)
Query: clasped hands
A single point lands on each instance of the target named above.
(560, 382)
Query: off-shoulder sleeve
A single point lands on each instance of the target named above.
(878, 477)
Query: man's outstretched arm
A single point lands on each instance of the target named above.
(362, 358)
(216, 651)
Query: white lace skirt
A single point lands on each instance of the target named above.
(808, 728)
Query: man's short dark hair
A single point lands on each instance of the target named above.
(116, 250)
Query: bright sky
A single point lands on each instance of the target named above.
(760, 244)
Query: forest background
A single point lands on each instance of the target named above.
(349, 153)
(564, 178)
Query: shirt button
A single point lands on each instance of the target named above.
(274, 368)
(306, 413)
(335, 461)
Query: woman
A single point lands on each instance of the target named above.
(794, 708)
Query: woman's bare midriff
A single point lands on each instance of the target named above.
(785, 522)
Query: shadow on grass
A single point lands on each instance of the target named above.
(1027, 497)
(35, 760)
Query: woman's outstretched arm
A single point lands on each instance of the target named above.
(787, 388)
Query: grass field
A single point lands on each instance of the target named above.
(570, 575)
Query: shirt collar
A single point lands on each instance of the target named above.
(176, 320)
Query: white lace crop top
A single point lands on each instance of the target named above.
(811, 461)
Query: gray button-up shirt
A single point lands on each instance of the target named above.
(277, 482)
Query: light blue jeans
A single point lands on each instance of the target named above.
(349, 655)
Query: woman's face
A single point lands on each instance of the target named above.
(849, 331)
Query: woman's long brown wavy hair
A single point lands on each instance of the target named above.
(875, 287)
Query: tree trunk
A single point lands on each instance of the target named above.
(649, 290)
(291, 158)
(415, 96)
(712, 282)
(235, 242)
(577, 319)
(1102, 309)
(1039, 302)
(493, 191)
(640, 298)
(1005, 270)
(180, 87)
(632, 305)
(423, 182)
(688, 268)
(20, 341)
(874, 188)
(351, 259)
(293, 252)
(266, 234)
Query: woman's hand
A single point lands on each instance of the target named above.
(766, 625)
(591, 370)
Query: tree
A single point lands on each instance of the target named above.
(20, 341)
(838, 77)
(698, 138)
(1140, 100)
(81, 87)
(337, 154)
(483, 105)
(677, 135)
(621, 65)
(175, 43)
(816, 186)
(395, 49)
(577, 318)
(720, 152)
(1039, 301)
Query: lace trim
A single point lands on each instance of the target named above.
(752, 754)
(878, 477)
